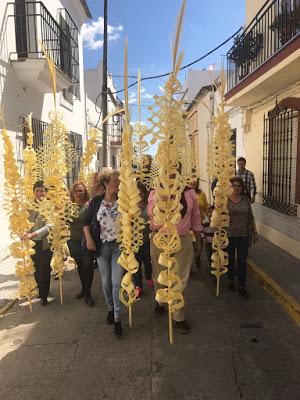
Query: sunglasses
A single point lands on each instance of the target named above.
(236, 185)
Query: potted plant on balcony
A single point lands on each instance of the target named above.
(287, 23)
(245, 51)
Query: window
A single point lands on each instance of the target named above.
(69, 53)
(38, 127)
(68, 94)
(113, 161)
(280, 160)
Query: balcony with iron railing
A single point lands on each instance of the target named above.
(35, 29)
(265, 57)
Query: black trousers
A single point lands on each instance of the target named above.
(85, 265)
(41, 260)
(143, 257)
(240, 244)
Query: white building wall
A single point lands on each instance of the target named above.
(204, 137)
(237, 122)
(206, 109)
(93, 86)
(19, 98)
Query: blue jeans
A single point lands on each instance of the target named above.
(111, 275)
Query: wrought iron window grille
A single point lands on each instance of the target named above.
(38, 128)
(280, 159)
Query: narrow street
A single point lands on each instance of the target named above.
(236, 349)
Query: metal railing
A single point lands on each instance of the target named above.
(275, 25)
(35, 26)
(280, 160)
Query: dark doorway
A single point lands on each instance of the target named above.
(21, 29)
(233, 142)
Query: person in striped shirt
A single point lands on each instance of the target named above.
(248, 179)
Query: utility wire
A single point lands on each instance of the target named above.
(146, 78)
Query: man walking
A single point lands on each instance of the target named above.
(248, 178)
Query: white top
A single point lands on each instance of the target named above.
(107, 216)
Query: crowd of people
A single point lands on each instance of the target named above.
(94, 231)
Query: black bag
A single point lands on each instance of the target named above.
(94, 225)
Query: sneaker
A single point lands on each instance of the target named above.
(181, 327)
(231, 286)
(243, 293)
(110, 317)
(44, 301)
(118, 330)
(89, 301)
(150, 283)
(159, 310)
(139, 291)
(80, 295)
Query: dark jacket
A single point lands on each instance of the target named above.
(92, 222)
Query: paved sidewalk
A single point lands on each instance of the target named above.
(279, 265)
(278, 271)
(236, 349)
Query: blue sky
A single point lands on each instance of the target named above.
(149, 26)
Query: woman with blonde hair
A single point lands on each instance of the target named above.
(101, 230)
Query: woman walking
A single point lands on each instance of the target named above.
(190, 221)
(201, 200)
(241, 223)
(101, 230)
(79, 195)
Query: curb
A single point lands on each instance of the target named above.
(8, 306)
(290, 305)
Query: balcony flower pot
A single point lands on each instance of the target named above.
(287, 24)
(246, 50)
